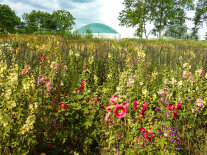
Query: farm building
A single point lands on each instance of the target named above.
(99, 30)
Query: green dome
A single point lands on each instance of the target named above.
(97, 28)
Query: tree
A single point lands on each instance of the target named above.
(31, 21)
(177, 27)
(136, 13)
(8, 19)
(200, 15)
(168, 12)
(161, 13)
(62, 20)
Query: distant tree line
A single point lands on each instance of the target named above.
(36, 21)
(168, 17)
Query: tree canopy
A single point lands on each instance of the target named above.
(161, 13)
(8, 19)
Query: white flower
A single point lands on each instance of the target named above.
(180, 83)
(184, 65)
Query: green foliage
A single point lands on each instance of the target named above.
(60, 96)
(63, 20)
(136, 13)
(159, 12)
(8, 19)
(200, 15)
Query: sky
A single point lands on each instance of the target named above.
(86, 12)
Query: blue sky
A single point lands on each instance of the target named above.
(86, 12)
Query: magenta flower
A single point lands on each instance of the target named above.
(142, 129)
(171, 107)
(120, 111)
(112, 99)
(145, 134)
(158, 108)
(143, 109)
(135, 105)
(175, 114)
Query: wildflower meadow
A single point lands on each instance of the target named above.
(79, 96)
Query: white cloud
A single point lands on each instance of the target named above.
(109, 16)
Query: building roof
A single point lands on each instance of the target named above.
(97, 28)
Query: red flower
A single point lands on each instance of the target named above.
(66, 107)
(171, 107)
(42, 57)
(87, 100)
(49, 144)
(178, 107)
(62, 105)
(175, 114)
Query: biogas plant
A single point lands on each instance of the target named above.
(99, 30)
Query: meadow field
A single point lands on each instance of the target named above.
(88, 96)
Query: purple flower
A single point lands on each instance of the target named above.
(166, 113)
(120, 136)
(166, 103)
(178, 148)
(160, 131)
(110, 124)
(158, 108)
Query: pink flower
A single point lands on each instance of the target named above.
(61, 64)
(151, 133)
(135, 105)
(65, 68)
(203, 72)
(108, 108)
(49, 86)
(112, 99)
(126, 104)
(184, 74)
(192, 110)
(107, 117)
(78, 91)
(120, 111)
(199, 102)
(189, 75)
(165, 135)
